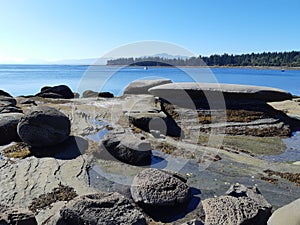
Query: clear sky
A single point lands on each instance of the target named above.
(75, 29)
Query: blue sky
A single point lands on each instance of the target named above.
(56, 29)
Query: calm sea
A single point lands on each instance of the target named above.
(28, 79)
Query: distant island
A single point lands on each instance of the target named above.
(265, 59)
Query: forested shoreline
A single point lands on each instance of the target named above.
(266, 59)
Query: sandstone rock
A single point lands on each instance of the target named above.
(157, 188)
(8, 127)
(288, 214)
(89, 94)
(43, 126)
(128, 148)
(60, 91)
(142, 86)
(4, 93)
(216, 95)
(16, 216)
(242, 205)
(101, 208)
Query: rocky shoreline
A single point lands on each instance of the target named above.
(148, 157)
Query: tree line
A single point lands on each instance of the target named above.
(283, 59)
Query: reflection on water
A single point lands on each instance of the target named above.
(292, 152)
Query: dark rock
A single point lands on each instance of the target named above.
(28, 102)
(141, 86)
(8, 127)
(44, 126)
(128, 148)
(4, 93)
(157, 188)
(90, 94)
(193, 222)
(101, 208)
(45, 88)
(10, 109)
(7, 101)
(60, 91)
(155, 122)
(105, 95)
(16, 216)
(76, 95)
(242, 205)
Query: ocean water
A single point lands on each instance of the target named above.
(28, 79)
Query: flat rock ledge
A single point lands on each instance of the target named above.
(101, 208)
(141, 86)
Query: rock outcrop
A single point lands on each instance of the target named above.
(128, 148)
(60, 91)
(141, 86)
(101, 208)
(157, 188)
(288, 214)
(8, 127)
(44, 126)
(95, 94)
(241, 206)
(16, 216)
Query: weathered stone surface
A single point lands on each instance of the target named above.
(90, 94)
(16, 216)
(288, 214)
(242, 205)
(142, 86)
(153, 187)
(101, 208)
(193, 222)
(216, 95)
(8, 127)
(60, 91)
(44, 126)
(128, 148)
(7, 101)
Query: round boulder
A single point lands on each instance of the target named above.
(153, 187)
(101, 208)
(8, 127)
(60, 91)
(44, 126)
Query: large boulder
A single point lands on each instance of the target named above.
(16, 216)
(60, 91)
(44, 126)
(8, 127)
(128, 148)
(241, 206)
(188, 94)
(157, 188)
(141, 86)
(7, 101)
(288, 214)
(89, 94)
(101, 208)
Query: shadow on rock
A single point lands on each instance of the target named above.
(169, 214)
(69, 149)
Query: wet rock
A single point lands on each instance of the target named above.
(8, 127)
(60, 91)
(128, 148)
(101, 208)
(288, 214)
(241, 205)
(44, 126)
(4, 93)
(142, 86)
(157, 188)
(16, 216)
